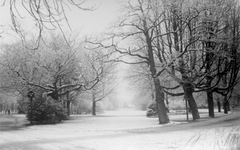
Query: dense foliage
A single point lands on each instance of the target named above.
(45, 111)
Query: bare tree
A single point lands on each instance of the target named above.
(199, 49)
(95, 59)
(226, 74)
(56, 69)
(178, 50)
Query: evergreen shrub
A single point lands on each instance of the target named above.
(45, 111)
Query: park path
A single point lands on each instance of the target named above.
(124, 129)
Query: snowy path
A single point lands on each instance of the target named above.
(126, 129)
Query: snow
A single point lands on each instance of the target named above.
(125, 129)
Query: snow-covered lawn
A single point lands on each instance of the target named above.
(125, 129)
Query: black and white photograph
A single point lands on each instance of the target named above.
(119, 74)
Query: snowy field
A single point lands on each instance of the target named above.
(125, 129)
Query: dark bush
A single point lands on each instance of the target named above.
(45, 111)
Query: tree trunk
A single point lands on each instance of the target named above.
(225, 108)
(1, 107)
(162, 114)
(225, 105)
(188, 95)
(167, 103)
(68, 107)
(210, 104)
(94, 108)
(159, 95)
(228, 106)
(219, 106)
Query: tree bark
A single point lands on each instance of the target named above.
(159, 94)
(167, 103)
(162, 114)
(225, 108)
(228, 106)
(94, 108)
(210, 104)
(68, 107)
(219, 106)
(225, 105)
(188, 95)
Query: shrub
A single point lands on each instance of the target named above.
(45, 111)
(152, 110)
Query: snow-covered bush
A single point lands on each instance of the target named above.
(45, 110)
(152, 109)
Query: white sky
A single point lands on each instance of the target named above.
(85, 22)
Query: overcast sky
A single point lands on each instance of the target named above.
(87, 22)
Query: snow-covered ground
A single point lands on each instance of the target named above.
(125, 129)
